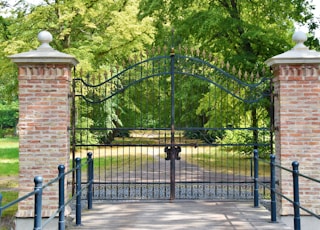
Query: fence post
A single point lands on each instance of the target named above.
(37, 202)
(0, 206)
(256, 177)
(62, 225)
(90, 180)
(273, 188)
(296, 199)
(78, 191)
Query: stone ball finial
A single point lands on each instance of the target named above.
(299, 38)
(45, 38)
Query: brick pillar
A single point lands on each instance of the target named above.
(297, 120)
(44, 118)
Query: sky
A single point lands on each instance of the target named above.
(316, 3)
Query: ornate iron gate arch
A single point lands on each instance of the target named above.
(171, 127)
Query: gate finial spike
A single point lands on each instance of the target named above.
(186, 50)
(165, 49)
(234, 69)
(246, 75)
(172, 37)
(204, 54)
(228, 65)
(222, 64)
(210, 57)
(172, 51)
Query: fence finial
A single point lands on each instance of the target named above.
(45, 38)
(299, 38)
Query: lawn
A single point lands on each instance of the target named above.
(121, 163)
(9, 170)
(9, 157)
(227, 163)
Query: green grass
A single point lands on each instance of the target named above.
(7, 197)
(9, 157)
(120, 163)
(8, 215)
(227, 162)
(9, 167)
(11, 142)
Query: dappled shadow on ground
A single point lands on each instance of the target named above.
(178, 215)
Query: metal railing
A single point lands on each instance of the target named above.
(39, 187)
(274, 193)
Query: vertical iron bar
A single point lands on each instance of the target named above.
(0, 206)
(256, 177)
(273, 188)
(271, 116)
(73, 130)
(90, 180)
(62, 225)
(78, 191)
(172, 151)
(37, 202)
(296, 199)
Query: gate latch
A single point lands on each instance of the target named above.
(172, 151)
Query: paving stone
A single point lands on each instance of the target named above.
(178, 215)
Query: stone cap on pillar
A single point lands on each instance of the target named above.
(300, 54)
(44, 54)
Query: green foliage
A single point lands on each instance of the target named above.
(98, 117)
(95, 32)
(84, 134)
(243, 141)
(243, 32)
(8, 115)
(8, 118)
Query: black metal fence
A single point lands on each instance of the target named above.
(272, 187)
(39, 187)
(171, 127)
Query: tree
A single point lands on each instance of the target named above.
(242, 33)
(245, 33)
(95, 32)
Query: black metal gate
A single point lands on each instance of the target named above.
(171, 127)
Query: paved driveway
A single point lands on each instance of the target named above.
(177, 215)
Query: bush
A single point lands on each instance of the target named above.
(8, 119)
(9, 132)
(209, 137)
(242, 141)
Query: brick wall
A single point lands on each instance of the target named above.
(43, 130)
(297, 122)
